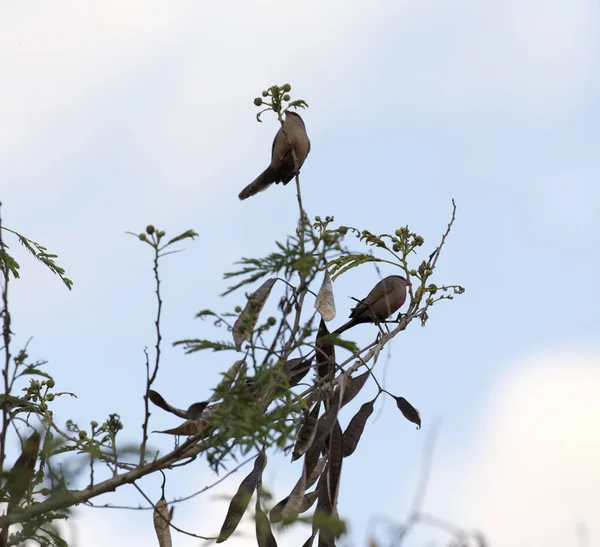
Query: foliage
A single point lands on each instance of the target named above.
(283, 392)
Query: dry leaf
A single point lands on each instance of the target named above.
(307, 432)
(156, 398)
(325, 303)
(325, 351)
(264, 534)
(243, 327)
(409, 411)
(353, 386)
(316, 472)
(309, 499)
(189, 427)
(356, 427)
(161, 523)
(239, 502)
(292, 507)
(324, 427)
(194, 412)
(275, 514)
(336, 455)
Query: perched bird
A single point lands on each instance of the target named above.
(282, 168)
(384, 299)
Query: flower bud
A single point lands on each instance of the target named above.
(150, 229)
(265, 93)
(287, 88)
(142, 237)
(286, 97)
(258, 101)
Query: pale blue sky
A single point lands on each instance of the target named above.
(116, 115)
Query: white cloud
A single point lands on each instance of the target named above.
(533, 476)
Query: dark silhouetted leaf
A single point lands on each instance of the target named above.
(275, 514)
(309, 499)
(243, 327)
(336, 455)
(323, 510)
(324, 427)
(161, 523)
(264, 534)
(409, 411)
(325, 351)
(296, 369)
(353, 386)
(20, 476)
(307, 432)
(316, 472)
(291, 509)
(239, 502)
(160, 402)
(194, 412)
(356, 427)
(189, 427)
(309, 541)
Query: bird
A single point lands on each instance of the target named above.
(282, 168)
(385, 298)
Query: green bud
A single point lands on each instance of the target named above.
(142, 237)
(161, 234)
(50, 397)
(271, 321)
(396, 248)
(258, 101)
(238, 309)
(413, 272)
(265, 93)
(398, 232)
(149, 229)
(286, 97)
(287, 88)
(82, 434)
(318, 218)
(94, 424)
(50, 383)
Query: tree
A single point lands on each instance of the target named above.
(283, 391)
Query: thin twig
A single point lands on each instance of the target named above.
(151, 377)
(176, 500)
(180, 530)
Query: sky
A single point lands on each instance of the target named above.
(116, 115)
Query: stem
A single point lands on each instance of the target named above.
(6, 323)
(151, 377)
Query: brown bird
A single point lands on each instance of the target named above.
(384, 299)
(282, 168)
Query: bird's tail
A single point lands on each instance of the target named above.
(260, 183)
(347, 326)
